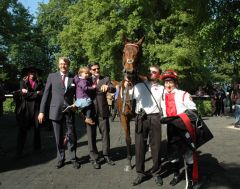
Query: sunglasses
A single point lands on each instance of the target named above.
(153, 72)
(95, 69)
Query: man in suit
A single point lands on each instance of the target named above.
(61, 88)
(103, 85)
(27, 108)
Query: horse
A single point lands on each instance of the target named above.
(130, 63)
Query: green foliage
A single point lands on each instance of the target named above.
(21, 43)
(204, 107)
(94, 32)
(198, 39)
(50, 21)
(8, 106)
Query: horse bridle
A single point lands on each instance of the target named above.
(128, 62)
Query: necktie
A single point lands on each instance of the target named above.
(63, 80)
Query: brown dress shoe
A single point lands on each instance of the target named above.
(89, 121)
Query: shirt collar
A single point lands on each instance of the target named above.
(66, 75)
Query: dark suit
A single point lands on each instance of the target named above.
(27, 110)
(61, 97)
(102, 115)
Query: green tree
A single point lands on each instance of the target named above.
(198, 39)
(50, 22)
(21, 44)
(220, 36)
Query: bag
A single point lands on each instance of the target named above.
(203, 134)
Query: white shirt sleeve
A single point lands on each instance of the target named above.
(188, 102)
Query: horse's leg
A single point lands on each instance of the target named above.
(129, 143)
(126, 127)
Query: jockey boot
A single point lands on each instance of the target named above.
(191, 183)
(189, 175)
(176, 174)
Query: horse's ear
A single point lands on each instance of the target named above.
(124, 38)
(140, 41)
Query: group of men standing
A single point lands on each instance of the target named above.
(152, 100)
(60, 88)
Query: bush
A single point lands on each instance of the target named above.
(8, 106)
(204, 107)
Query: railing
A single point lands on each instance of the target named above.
(8, 95)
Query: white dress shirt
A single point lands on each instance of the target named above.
(144, 99)
(66, 79)
(183, 101)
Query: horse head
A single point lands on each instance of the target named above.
(131, 53)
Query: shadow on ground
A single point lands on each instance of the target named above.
(8, 142)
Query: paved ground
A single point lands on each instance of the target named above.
(219, 161)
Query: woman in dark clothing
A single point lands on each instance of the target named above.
(27, 109)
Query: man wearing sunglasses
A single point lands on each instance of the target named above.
(147, 95)
(103, 85)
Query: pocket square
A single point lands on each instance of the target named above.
(73, 85)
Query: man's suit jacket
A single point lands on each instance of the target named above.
(100, 100)
(60, 97)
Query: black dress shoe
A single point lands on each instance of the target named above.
(138, 180)
(109, 161)
(158, 180)
(175, 180)
(95, 165)
(60, 164)
(76, 165)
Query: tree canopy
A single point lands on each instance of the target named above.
(198, 39)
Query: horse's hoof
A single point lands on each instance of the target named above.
(127, 168)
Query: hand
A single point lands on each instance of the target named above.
(41, 118)
(74, 108)
(104, 88)
(25, 78)
(127, 83)
(24, 91)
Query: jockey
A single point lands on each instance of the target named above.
(180, 132)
